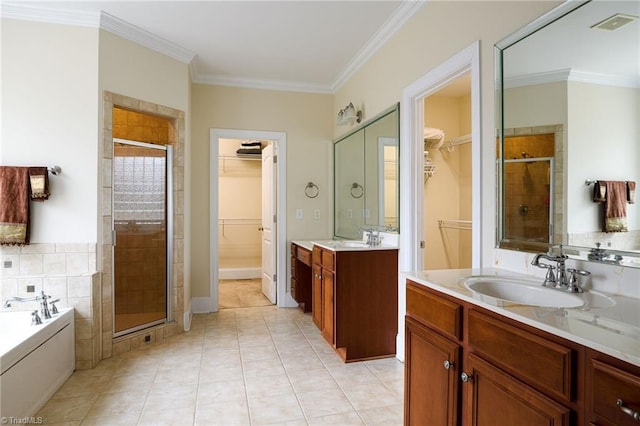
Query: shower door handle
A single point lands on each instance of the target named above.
(113, 237)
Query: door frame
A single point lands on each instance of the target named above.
(279, 140)
(411, 176)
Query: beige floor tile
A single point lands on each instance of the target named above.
(273, 409)
(130, 383)
(118, 420)
(313, 381)
(118, 404)
(252, 353)
(263, 367)
(230, 390)
(222, 413)
(167, 416)
(350, 418)
(81, 383)
(262, 386)
(365, 396)
(179, 375)
(60, 410)
(383, 416)
(217, 373)
(162, 396)
(321, 403)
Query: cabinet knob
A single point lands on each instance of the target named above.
(628, 411)
(448, 364)
(466, 377)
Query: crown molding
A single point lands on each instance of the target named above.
(27, 12)
(383, 35)
(281, 85)
(145, 38)
(100, 20)
(570, 75)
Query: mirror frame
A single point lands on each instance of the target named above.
(575, 252)
(394, 108)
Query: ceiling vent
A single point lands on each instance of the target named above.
(614, 22)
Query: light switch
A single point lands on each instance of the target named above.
(316, 214)
(299, 214)
(349, 214)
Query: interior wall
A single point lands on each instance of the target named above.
(447, 194)
(240, 208)
(418, 48)
(307, 120)
(50, 117)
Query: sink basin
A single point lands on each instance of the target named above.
(354, 244)
(521, 291)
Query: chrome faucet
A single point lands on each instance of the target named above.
(44, 305)
(564, 278)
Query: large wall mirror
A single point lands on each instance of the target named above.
(366, 185)
(568, 89)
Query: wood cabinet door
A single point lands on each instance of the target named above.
(431, 386)
(328, 311)
(614, 395)
(316, 295)
(494, 398)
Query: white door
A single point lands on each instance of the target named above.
(268, 223)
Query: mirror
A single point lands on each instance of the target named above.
(366, 185)
(568, 92)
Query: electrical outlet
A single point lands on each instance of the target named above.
(147, 338)
(8, 264)
(316, 214)
(299, 214)
(31, 289)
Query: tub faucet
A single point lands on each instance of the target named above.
(44, 306)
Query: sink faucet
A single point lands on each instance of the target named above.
(565, 278)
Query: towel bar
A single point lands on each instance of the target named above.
(55, 170)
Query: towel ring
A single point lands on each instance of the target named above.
(357, 191)
(311, 190)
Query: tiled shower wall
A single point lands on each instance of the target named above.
(63, 271)
(176, 138)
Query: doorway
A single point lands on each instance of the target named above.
(141, 212)
(276, 222)
(447, 176)
(245, 181)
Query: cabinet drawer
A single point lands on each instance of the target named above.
(444, 315)
(304, 256)
(538, 362)
(610, 384)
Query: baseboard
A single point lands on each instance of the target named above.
(188, 315)
(201, 305)
(239, 273)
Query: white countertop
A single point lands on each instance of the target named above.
(612, 330)
(339, 245)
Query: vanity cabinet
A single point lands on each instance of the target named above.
(613, 391)
(464, 365)
(301, 276)
(355, 301)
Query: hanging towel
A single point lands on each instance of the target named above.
(39, 180)
(615, 205)
(631, 192)
(600, 191)
(14, 205)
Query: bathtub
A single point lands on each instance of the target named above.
(35, 360)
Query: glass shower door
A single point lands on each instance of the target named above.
(140, 214)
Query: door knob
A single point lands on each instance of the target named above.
(448, 364)
(466, 377)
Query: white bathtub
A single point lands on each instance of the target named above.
(35, 360)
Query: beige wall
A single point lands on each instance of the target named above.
(447, 194)
(436, 33)
(50, 117)
(306, 119)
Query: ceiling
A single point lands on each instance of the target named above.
(302, 45)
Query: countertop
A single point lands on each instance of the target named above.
(391, 243)
(612, 330)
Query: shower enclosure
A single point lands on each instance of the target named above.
(528, 201)
(142, 230)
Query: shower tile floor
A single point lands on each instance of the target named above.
(249, 366)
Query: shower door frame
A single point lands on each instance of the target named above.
(169, 237)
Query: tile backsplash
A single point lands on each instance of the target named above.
(63, 271)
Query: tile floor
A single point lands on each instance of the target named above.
(247, 366)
